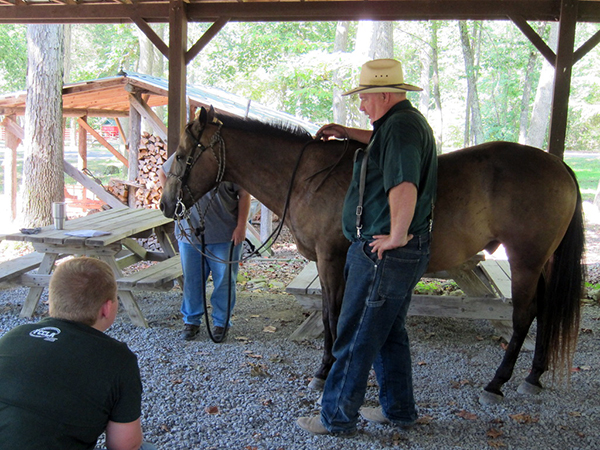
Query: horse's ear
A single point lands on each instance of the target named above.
(203, 116)
(212, 117)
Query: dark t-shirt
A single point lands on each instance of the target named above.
(401, 149)
(60, 384)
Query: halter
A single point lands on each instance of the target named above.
(181, 211)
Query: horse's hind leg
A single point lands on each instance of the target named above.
(524, 284)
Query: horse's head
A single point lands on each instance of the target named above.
(198, 164)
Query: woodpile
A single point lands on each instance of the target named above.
(151, 156)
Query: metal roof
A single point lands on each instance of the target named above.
(109, 97)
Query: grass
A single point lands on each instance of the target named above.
(587, 169)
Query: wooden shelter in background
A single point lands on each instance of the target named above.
(177, 13)
(128, 95)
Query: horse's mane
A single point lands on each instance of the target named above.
(273, 128)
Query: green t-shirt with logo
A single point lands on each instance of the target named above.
(402, 148)
(60, 384)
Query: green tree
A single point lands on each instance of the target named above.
(13, 54)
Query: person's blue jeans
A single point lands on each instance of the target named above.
(371, 332)
(192, 306)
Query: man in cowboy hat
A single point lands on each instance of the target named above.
(387, 217)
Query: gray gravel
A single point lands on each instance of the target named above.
(247, 392)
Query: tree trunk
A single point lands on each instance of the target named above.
(473, 124)
(43, 179)
(542, 106)
(374, 40)
(340, 45)
(435, 86)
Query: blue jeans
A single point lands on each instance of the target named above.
(192, 306)
(371, 331)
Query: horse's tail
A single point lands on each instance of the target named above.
(560, 312)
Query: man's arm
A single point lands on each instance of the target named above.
(239, 234)
(124, 436)
(333, 130)
(403, 200)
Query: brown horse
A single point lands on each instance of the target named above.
(491, 194)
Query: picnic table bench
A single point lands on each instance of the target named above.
(107, 235)
(485, 283)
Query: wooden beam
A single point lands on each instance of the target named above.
(151, 34)
(146, 112)
(273, 11)
(205, 39)
(535, 39)
(562, 77)
(71, 112)
(90, 184)
(586, 47)
(103, 141)
(13, 127)
(177, 72)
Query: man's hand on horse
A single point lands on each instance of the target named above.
(332, 131)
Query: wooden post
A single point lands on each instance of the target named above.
(82, 150)
(135, 133)
(177, 72)
(562, 77)
(266, 223)
(10, 168)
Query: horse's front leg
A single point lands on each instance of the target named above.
(331, 275)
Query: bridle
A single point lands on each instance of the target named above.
(181, 212)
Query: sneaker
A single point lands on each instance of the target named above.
(315, 426)
(375, 415)
(218, 333)
(189, 332)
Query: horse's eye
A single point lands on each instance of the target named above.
(178, 157)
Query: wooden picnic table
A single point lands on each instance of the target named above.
(485, 283)
(116, 246)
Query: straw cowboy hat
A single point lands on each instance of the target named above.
(382, 75)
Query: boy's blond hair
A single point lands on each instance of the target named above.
(78, 289)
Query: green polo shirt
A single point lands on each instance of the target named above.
(401, 149)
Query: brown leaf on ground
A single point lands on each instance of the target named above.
(496, 444)
(212, 410)
(523, 418)
(467, 415)
(494, 433)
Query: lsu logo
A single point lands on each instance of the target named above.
(46, 333)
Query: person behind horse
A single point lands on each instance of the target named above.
(389, 253)
(63, 382)
(224, 215)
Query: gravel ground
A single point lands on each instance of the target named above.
(246, 393)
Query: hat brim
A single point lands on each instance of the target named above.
(392, 88)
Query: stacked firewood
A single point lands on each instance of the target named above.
(119, 189)
(151, 157)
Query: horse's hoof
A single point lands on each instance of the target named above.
(317, 384)
(529, 389)
(488, 398)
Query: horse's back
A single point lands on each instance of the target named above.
(500, 192)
